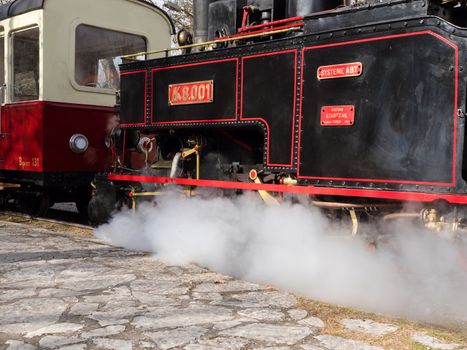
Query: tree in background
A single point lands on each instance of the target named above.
(181, 12)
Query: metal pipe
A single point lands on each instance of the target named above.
(201, 12)
(197, 165)
(338, 205)
(134, 195)
(401, 215)
(354, 218)
(133, 199)
(270, 24)
(307, 7)
(213, 43)
(174, 169)
(147, 194)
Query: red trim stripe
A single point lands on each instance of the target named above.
(310, 190)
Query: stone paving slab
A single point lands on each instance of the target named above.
(70, 293)
(369, 327)
(433, 343)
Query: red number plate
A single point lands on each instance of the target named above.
(337, 115)
(191, 93)
(345, 70)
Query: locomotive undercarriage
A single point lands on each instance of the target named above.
(372, 222)
(390, 72)
(236, 155)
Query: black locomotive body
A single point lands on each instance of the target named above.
(357, 103)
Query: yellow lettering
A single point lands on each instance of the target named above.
(176, 94)
(36, 162)
(185, 94)
(202, 92)
(194, 93)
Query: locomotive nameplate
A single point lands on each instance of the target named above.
(337, 115)
(197, 92)
(345, 70)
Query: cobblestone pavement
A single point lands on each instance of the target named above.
(70, 293)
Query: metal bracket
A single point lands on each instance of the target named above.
(353, 216)
(265, 195)
(189, 152)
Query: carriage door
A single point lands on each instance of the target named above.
(3, 141)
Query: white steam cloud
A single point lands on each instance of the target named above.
(413, 274)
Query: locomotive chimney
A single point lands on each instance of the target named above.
(200, 9)
(307, 7)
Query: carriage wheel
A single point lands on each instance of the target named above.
(34, 204)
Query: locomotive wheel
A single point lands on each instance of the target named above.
(103, 202)
(3, 201)
(82, 204)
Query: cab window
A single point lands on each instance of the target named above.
(26, 65)
(98, 53)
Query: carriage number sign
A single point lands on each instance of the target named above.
(191, 93)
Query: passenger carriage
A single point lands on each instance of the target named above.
(58, 77)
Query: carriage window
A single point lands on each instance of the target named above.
(26, 65)
(98, 53)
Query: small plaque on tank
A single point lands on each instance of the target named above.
(337, 115)
(191, 93)
(345, 70)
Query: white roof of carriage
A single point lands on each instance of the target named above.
(18, 7)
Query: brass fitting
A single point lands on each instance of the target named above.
(433, 220)
(289, 181)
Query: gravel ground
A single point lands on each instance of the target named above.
(72, 293)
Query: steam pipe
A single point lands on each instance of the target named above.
(394, 216)
(339, 205)
(201, 12)
(173, 171)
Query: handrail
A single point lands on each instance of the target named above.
(210, 43)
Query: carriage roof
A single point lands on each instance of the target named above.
(18, 7)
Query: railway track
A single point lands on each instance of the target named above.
(57, 220)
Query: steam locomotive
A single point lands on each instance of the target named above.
(357, 105)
